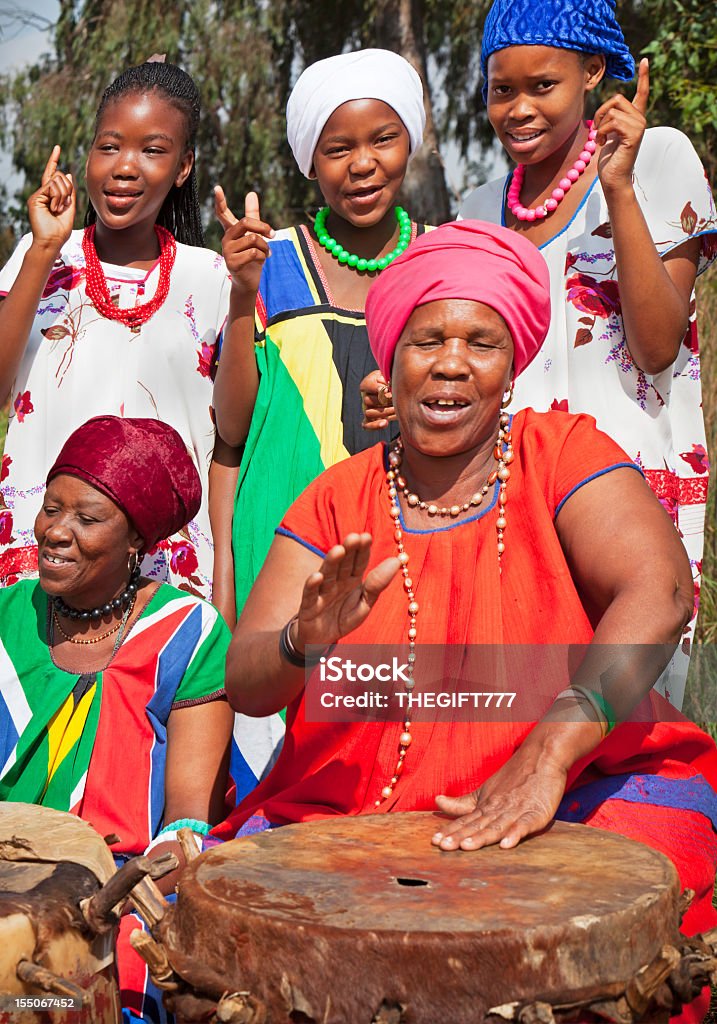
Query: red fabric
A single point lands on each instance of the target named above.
(689, 840)
(467, 259)
(142, 465)
(340, 768)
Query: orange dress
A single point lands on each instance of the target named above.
(654, 780)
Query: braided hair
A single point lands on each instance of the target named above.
(180, 211)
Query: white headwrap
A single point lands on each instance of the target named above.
(362, 75)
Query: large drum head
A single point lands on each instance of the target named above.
(331, 921)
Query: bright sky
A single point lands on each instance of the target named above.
(21, 43)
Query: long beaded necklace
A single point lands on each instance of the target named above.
(98, 292)
(526, 213)
(503, 454)
(350, 259)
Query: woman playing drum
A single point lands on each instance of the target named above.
(479, 528)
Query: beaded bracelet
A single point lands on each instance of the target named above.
(202, 828)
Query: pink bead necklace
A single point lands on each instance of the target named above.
(521, 212)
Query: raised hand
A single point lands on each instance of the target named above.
(244, 245)
(376, 401)
(337, 598)
(519, 800)
(620, 127)
(51, 209)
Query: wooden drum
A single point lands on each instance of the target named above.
(358, 920)
(56, 961)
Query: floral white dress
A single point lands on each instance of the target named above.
(77, 365)
(585, 365)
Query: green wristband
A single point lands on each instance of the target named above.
(202, 828)
(606, 710)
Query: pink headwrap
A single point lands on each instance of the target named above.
(466, 259)
(142, 465)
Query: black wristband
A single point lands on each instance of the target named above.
(289, 653)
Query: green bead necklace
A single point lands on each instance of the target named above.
(350, 259)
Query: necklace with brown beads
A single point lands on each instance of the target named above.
(396, 483)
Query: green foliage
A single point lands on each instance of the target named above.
(240, 53)
(683, 61)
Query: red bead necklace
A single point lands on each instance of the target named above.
(98, 292)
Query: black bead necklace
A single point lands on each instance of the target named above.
(123, 600)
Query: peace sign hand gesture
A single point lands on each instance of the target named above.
(244, 245)
(620, 127)
(337, 598)
(51, 209)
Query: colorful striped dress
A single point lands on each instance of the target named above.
(96, 744)
(312, 356)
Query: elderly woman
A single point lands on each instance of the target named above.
(111, 686)
(479, 528)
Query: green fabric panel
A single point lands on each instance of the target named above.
(207, 669)
(23, 617)
(281, 457)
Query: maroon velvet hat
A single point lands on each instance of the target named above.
(142, 465)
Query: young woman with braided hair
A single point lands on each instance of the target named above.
(120, 318)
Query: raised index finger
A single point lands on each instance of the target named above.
(221, 208)
(51, 165)
(643, 87)
(251, 206)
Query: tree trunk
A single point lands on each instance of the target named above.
(399, 27)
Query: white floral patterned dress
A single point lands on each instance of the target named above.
(77, 365)
(585, 365)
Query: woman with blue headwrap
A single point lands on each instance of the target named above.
(625, 220)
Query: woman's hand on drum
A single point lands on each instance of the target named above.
(519, 800)
(337, 598)
(245, 243)
(376, 401)
(51, 210)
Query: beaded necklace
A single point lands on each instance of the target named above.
(531, 213)
(503, 454)
(350, 259)
(96, 282)
(102, 636)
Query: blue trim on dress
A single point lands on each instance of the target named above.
(694, 794)
(594, 476)
(562, 231)
(451, 526)
(703, 263)
(300, 540)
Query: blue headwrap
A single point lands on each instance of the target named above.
(589, 26)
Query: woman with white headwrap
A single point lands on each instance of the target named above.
(353, 122)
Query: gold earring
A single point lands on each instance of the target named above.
(507, 396)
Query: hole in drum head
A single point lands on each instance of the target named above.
(412, 881)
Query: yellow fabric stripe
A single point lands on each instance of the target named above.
(310, 362)
(65, 729)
